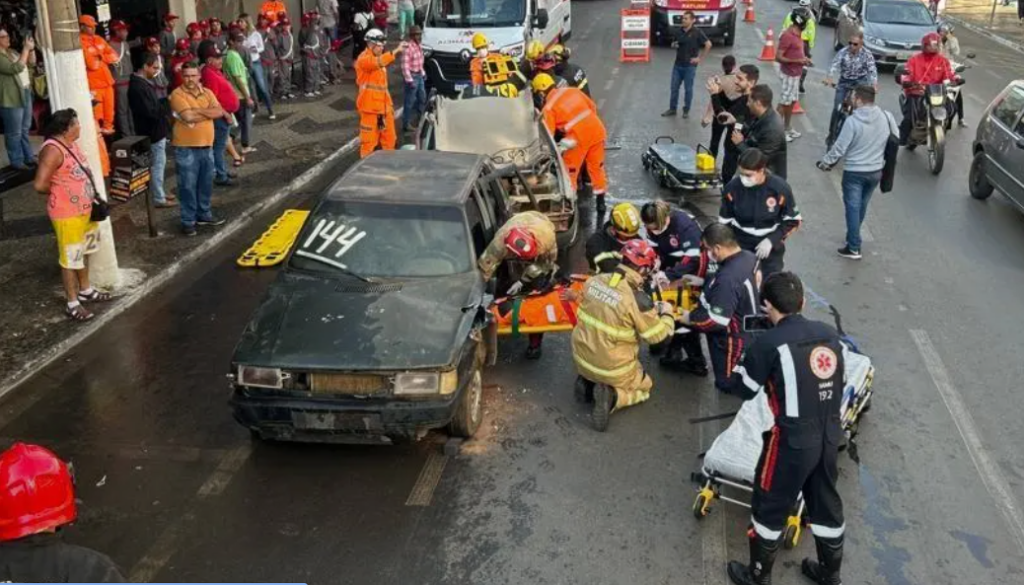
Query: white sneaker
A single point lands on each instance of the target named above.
(309, 94)
(795, 134)
(272, 117)
(789, 136)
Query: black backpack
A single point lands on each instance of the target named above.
(892, 148)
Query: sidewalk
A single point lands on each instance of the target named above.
(33, 327)
(977, 15)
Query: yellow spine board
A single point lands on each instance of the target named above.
(272, 247)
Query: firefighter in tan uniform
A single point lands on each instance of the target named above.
(527, 237)
(614, 315)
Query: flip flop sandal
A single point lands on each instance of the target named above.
(95, 297)
(78, 313)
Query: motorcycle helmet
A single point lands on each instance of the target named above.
(930, 43)
(800, 17)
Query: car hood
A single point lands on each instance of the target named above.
(316, 324)
(898, 36)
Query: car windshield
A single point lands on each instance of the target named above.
(463, 13)
(383, 240)
(908, 13)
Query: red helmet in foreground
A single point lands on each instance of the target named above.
(183, 45)
(36, 492)
(639, 253)
(521, 243)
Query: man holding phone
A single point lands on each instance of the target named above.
(733, 113)
(691, 45)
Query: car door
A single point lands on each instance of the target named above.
(1003, 133)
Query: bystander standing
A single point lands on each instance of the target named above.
(763, 130)
(792, 59)
(150, 118)
(731, 112)
(235, 71)
(412, 71)
(691, 47)
(16, 99)
(214, 80)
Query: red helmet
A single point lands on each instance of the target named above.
(639, 253)
(37, 492)
(521, 243)
(546, 62)
(118, 25)
(204, 26)
(930, 42)
(183, 45)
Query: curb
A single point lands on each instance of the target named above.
(986, 33)
(129, 300)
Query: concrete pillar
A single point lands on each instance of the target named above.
(186, 10)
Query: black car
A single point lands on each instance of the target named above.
(827, 11)
(374, 329)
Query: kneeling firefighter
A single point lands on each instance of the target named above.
(527, 237)
(604, 247)
(615, 314)
(569, 113)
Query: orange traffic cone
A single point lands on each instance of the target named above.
(748, 16)
(768, 51)
(748, 1)
(796, 107)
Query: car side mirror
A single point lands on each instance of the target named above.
(541, 19)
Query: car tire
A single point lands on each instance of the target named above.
(470, 410)
(978, 182)
(730, 38)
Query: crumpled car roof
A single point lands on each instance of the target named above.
(506, 129)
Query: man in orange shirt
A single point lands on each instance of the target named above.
(272, 9)
(572, 118)
(376, 110)
(99, 56)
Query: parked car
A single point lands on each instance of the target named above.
(892, 28)
(827, 11)
(517, 138)
(999, 147)
(374, 331)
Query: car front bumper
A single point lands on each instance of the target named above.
(665, 23)
(888, 55)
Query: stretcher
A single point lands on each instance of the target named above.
(732, 459)
(675, 166)
(272, 247)
(547, 312)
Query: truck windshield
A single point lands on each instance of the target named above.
(383, 240)
(464, 13)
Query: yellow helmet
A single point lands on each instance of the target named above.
(534, 49)
(542, 82)
(559, 52)
(508, 90)
(479, 41)
(626, 220)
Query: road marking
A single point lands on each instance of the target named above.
(988, 470)
(221, 477)
(423, 490)
(608, 84)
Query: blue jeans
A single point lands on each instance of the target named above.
(260, 77)
(221, 132)
(857, 190)
(682, 74)
(415, 99)
(17, 123)
(195, 183)
(157, 167)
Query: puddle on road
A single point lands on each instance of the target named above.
(978, 545)
(878, 516)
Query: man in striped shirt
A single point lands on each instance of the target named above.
(412, 72)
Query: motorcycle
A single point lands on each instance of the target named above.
(838, 117)
(928, 127)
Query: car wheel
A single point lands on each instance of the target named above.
(980, 187)
(470, 410)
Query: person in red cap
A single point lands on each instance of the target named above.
(204, 27)
(160, 82)
(122, 75)
(182, 55)
(195, 36)
(168, 39)
(37, 499)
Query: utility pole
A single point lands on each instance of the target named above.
(57, 35)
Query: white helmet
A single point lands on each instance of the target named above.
(805, 3)
(374, 35)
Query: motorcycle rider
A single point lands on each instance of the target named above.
(923, 69)
(572, 73)
(604, 247)
(852, 66)
(37, 499)
(951, 51)
(614, 315)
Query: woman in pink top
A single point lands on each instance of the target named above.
(64, 177)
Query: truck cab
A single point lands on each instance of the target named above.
(716, 18)
(449, 26)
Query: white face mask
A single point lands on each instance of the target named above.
(481, 53)
(748, 181)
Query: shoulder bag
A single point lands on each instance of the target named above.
(100, 208)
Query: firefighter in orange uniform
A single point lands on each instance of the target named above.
(376, 111)
(572, 118)
(99, 56)
(272, 9)
(476, 64)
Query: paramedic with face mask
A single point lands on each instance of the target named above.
(760, 208)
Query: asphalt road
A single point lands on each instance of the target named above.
(174, 490)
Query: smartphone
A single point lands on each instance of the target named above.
(757, 323)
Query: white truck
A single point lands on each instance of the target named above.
(509, 25)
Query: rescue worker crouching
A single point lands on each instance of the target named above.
(615, 313)
(569, 113)
(604, 247)
(528, 64)
(526, 237)
(37, 499)
(677, 238)
(376, 110)
(799, 364)
(572, 73)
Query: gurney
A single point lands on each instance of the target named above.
(675, 166)
(547, 312)
(731, 461)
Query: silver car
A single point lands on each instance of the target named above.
(892, 28)
(999, 147)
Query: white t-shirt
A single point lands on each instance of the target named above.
(254, 43)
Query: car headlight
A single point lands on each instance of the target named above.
(420, 383)
(661, 3)
(870, 40)
(515, 51)
(261, 377)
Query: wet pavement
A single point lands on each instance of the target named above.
(174, 490)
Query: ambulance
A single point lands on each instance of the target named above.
(449, 26)
(716, 18)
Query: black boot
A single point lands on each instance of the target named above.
(583, 390)
(534, 351)
(604, 402)
(825, 571)
(673, 356)
(759, 571)
(599, 208)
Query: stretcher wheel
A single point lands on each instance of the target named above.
(791, 537)
(702, 504)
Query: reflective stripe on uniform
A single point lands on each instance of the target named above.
(373, 86)
(601, 371)
(789, 381)
(748, 230)
(554, 100)
(656, 330)
(579, 118)
(723, 321)
(747, 380)
(616, 332)
(607, 256)
(827, 531)
(765, 532)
